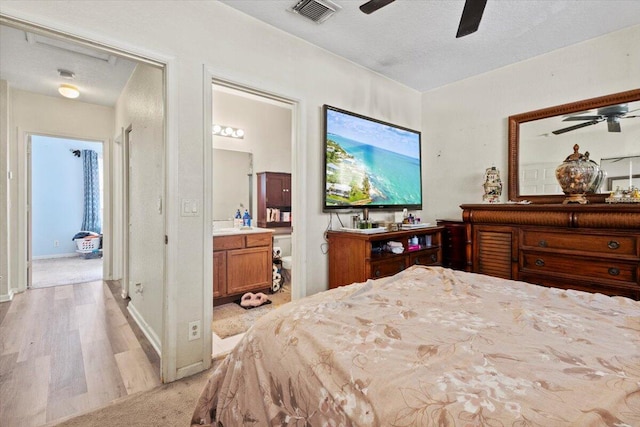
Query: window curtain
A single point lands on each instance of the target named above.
(91, 218)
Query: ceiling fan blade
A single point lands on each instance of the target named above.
(574, 127)
(471, 16)
(574, 118)
(373, 5)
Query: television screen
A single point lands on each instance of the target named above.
(370, 163)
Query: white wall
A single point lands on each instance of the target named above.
(45, 115)
(140, 108)
(236, 47)
(465, 127)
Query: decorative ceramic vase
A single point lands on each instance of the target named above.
(492, 186)
(578, 176)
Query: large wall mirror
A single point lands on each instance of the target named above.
(607, 127)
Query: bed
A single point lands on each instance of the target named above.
(434, 346)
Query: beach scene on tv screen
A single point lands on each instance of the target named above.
(370, 163)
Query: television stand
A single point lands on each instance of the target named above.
(356, 257)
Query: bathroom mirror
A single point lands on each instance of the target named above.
(607, 127)
(232, 183)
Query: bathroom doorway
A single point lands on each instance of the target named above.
(266, 125)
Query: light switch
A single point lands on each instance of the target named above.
(189, 207)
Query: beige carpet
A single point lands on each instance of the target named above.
(231, 319)
(65, 271)
(167, 405)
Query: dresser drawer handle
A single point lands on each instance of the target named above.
(542, 243)
(614, 271)
(416, 261)
(434, 257)
(376, 273)
(540, 262)
(400, 266)
(613, 244)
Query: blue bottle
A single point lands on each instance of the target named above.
(246, 219)
(237, 220)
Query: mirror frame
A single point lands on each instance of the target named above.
(514, 135)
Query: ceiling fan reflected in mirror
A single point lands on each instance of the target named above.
(612, 114)
(469, 22)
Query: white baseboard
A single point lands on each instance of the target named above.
(7, 297)
(69, 255)
(192, 369)
(146, 329)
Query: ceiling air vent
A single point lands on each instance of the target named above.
(316, 10)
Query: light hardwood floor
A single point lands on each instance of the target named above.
(66, 350)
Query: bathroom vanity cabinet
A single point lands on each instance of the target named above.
(242, 262)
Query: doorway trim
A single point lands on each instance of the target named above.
(298, 151)
(168, 336)
(107, 190)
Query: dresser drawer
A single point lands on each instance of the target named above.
(602, 244)
(584, 268)
(428, 257)
(388, 267)
(630, 290)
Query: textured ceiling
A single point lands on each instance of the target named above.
(413, 41)
(30, 62)
(409, 41)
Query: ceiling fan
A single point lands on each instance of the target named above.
(611, 114)
(469, 22)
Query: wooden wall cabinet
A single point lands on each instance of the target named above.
(356, 257)
(274, 192)
(593, 247)
(241, 263)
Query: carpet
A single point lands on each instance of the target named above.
(65, 271)
(166, 405)
(231, 319)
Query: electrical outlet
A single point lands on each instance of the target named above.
(56, 243)
(194, 330)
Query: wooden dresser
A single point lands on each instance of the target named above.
(356, 257)
(593, 247)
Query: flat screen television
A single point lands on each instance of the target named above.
(370, 164)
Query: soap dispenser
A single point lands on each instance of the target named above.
(246, 219)
(237, 220)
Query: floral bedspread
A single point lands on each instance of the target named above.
(432, 346)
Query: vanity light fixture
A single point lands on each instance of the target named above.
(228, 131)
(69, 91)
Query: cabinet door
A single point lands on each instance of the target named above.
(495, 251)
(219, 274)
(278, 190)
(248, 269)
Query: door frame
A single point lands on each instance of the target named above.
(298, 156)
(169, 334)
(106, 179)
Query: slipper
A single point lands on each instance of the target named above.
(247, 300)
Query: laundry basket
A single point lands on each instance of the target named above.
(88, 246)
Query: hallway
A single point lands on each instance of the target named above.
(68, 349)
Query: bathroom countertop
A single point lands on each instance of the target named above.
(243, 230)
